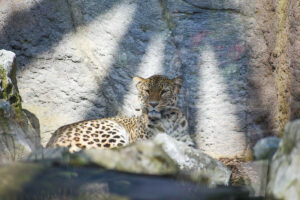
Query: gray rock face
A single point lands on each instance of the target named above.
(266, 147)
(255, 175)
(284, 182)
(213, 58)
(193, 163)
(77, 59)
(140, 158)
(294, 55)
(19, 136)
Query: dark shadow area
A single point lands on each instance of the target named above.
(50, 182)
(130, 52)
(222, 33)
(208, 31)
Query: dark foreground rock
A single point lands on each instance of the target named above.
(48, 182)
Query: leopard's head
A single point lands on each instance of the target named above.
(157, 93)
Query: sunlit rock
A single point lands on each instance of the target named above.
(193, 163)
(141, 158)
(254, 175)
(284, 182)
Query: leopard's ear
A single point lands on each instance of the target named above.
(137, 79)
(138, 82)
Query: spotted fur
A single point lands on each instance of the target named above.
(160, 113)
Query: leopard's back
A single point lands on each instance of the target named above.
(97, 133)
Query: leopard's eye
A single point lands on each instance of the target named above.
(162, 92)
(148, 92)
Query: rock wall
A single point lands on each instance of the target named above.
(280, 27)
(294, 56)
(77, 58)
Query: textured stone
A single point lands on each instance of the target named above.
(140, 158)
(213, 59)
(254, 175)
(266, 147)
(294, 55)
(193, 163)
(284, 181)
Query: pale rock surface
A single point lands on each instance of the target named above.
(193, 162)
(140, 158)
(255, 176)
(284, 181)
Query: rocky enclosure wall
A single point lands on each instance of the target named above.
(77, 58)
(294, 56)
(283, 41)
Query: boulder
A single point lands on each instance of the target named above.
(19, 130)
(254, 175)
(161, 156)
(142, 158)
(266, 147)
(193, 163)
(284, 181)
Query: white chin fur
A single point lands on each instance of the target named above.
(154, 114)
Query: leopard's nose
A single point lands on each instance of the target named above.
(153, 104)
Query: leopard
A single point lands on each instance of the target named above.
(160, 113)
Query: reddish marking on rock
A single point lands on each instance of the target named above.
(197, 38)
